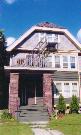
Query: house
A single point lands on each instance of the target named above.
(43, 63)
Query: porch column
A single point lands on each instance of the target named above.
(47, 91)
(13, 93)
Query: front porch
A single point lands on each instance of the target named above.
(29, 89)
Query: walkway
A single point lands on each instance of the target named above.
(40, 131)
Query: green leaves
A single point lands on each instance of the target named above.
(61, 104)
(74, 106)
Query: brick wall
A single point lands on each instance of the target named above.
(47, 91)
(13, 92)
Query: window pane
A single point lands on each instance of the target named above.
(57, 61)
(74, 89)
(65, 59)
(66, 90)
(72, 59)
(72, 62)
(65, 62)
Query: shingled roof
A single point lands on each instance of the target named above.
(49, 25)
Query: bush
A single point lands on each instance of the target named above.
(74, 105)
(6, 116)
(61, 106)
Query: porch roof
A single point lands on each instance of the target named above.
(29, 68)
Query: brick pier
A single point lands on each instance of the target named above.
(47, 91)
(13, 92)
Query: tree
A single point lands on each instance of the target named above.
(2, 62)
(2, 50)
(74, 105)
(61, 106)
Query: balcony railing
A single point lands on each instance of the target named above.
(31, 61)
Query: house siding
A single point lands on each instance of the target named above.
(65, 76)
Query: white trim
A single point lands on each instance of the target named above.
(26, 34)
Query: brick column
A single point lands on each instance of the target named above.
(13, 93)
(47, 91)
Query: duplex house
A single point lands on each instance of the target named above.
(43, 63)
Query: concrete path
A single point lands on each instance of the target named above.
(40, 131)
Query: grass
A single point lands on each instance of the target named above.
(14, 128)
(69, 124)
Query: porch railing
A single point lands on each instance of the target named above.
(31, 61)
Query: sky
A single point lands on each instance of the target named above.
(17, 16)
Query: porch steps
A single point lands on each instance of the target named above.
(33, 114)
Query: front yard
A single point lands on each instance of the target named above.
(69, 124)
(14, 128)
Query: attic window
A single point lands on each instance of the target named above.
(51, 38)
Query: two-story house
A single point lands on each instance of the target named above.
(43, 63)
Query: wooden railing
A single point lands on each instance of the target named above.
(31, 61)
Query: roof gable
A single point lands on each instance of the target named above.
(44, 28)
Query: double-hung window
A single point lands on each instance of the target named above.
(57, 61)
(72, 62)
(66, 90)
(65, 62)
(74, 89)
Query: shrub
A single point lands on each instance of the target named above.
(74, 105)
(61, 106)
(6, 116)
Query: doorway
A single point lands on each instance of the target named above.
(30, 91)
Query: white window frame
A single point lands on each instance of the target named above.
(73, 62)
(77, 89)
(70, 84)
(64, 62)
(59, 61)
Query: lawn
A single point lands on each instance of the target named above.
(69, 124)
(14, 128)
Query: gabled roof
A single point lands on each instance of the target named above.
(44, 27)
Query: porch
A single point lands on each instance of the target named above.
(28, 89)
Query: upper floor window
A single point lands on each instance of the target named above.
(57, 61)
(49, 37)
(65, 62)
(72, 62)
